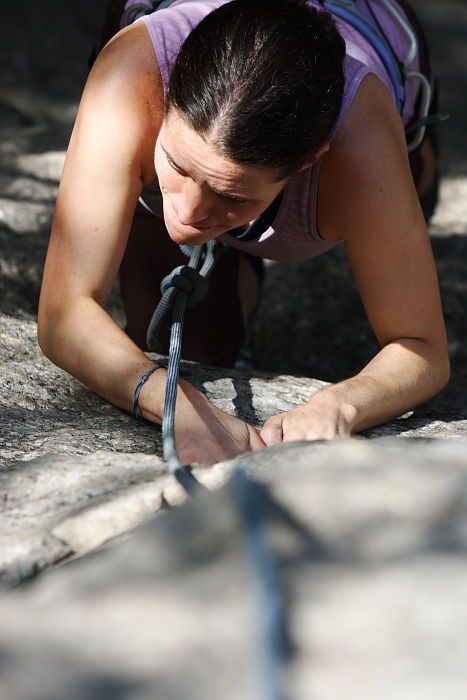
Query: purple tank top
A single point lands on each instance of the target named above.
(294, 234)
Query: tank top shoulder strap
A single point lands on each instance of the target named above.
(168, 27)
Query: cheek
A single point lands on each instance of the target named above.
(164, 173)
(233, 216)
(244, 214)
(166, 176)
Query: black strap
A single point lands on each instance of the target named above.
(259, 225)
(426, 121)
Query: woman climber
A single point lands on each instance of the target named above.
(277, 128)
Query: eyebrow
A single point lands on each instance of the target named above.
(227, 195)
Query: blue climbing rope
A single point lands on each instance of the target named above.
(185, 286)
(253, 502)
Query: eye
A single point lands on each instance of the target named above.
(233, 200)
(174, 166)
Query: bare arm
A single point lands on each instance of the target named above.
(101, 182)
(369, 200)
(110, 157)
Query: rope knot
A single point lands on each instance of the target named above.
(188, 280)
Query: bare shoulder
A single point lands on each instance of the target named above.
(125, 89)
(110, 157)
(369, 200)
(365, 176)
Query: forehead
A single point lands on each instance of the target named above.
(201, 159)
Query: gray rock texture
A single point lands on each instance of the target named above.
(56, 503)
(372, 560)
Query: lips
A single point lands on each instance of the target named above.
(192, 228)
(196, 229)
(190, 235)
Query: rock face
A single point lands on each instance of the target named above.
(50, 421)
(370, 538)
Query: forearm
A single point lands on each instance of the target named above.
(403, 375)
(86, 342)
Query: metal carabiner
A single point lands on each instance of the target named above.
(412, 37)
(426, 90)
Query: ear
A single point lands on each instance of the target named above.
(316, 156)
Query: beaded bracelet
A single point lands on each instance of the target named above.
(139, 386)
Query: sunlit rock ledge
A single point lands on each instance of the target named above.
(76, 472)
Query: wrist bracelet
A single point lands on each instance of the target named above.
(139, 386)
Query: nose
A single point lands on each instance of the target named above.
(191, 206)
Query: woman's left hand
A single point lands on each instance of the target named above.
(322, 418)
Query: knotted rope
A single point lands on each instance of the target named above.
(186, 286)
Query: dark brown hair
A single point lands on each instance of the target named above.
(264, 79)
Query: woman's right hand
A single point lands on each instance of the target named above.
(204, 434)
